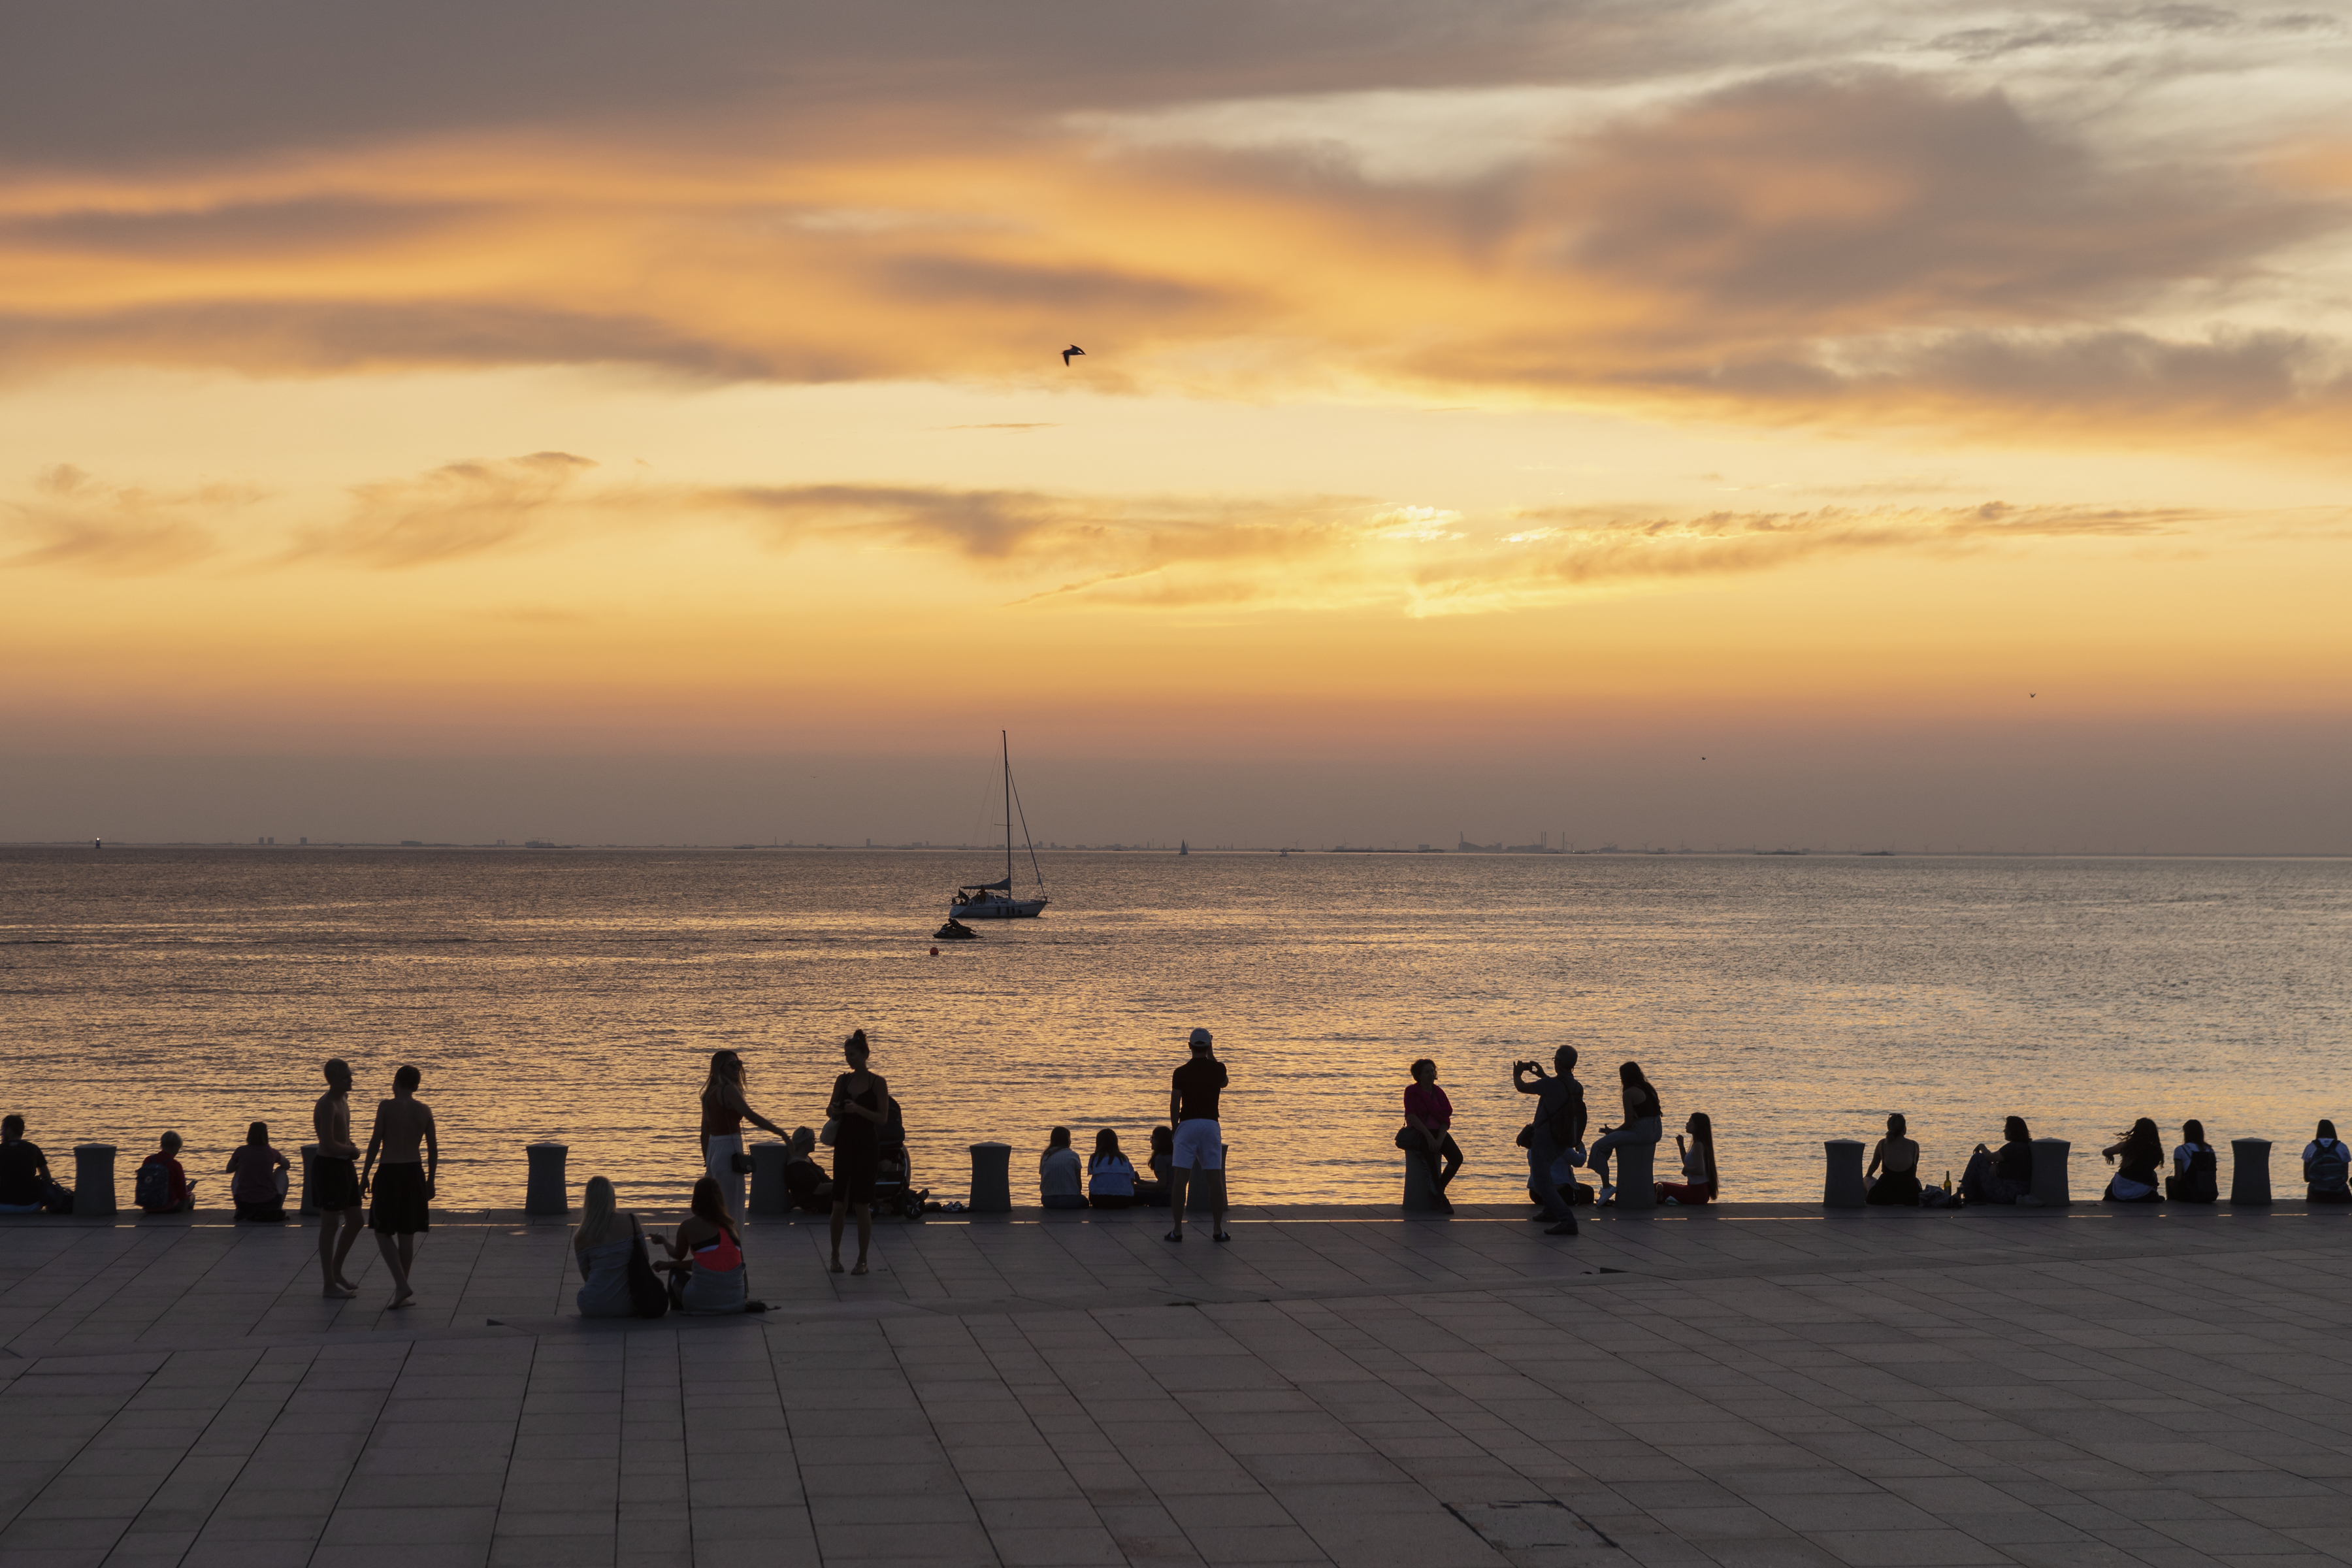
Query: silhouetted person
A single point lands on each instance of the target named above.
(2005, 1175)
(1698, 1184)
(404, 1186)
(2196, 1173)
(1429, 1116)
(1645, 1122)
(2327, 1168)
(1110, 1178)
(1557, 1128)
(161, 1186)
(335, 1182)
(26, 1186)
(1061, 1181)
(1895, 1163)
(253, 1168)
(860, 1108)
(1192, 1105)
(2141, 1150)
(724, 1112)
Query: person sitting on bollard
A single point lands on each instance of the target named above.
(1061, 1184)
(2141, 1150)
(1644, 1124)
(2326, 1166)
(1894, 1175)
(162, 1186)
(2005, 1175)
(253, 1185)
(1152, 1192)
(1698, 1183)
(2196, 1177)
(708, 1277)
(809, 1189)
(601, 1246)
(1110, 1178)
(1429, 1132)
(26, 1185)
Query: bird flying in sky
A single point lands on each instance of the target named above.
(1073, 349)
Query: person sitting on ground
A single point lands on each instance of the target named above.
(601, 1246)
(2141, 1150)
(162, 1186)
(2195, 1178)
(708, 1277)
(253, 1170)
(1429, 1121)
(2326, 1166)
(804, 1180)
(2005, 1175)
(1153, 1193)
(1111, 1179)
(1644, 1124)
(1892, 1178)
(1698, 1185)
(1060, 1182)
(26, 1186)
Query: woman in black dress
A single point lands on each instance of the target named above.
(859, 1107)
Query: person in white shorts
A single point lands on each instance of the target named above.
(1199, 1141)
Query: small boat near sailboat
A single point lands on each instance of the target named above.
(994, 900)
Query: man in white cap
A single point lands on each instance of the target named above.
(1199, 1141)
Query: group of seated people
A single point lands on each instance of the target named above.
(1108, 1179)
(705, 1270)
(2006, 1174)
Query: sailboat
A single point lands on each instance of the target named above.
(994, 900)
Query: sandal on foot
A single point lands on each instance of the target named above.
(861, 1266)
(1221, 1236)
(1173, 1236)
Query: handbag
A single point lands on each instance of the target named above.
(648, 1297)
(832, 1129)
(1526, 1138)
(1408, 1140)
(741, 1164)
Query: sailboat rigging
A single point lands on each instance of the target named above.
(994, 900)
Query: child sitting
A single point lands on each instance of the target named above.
(162, 1186)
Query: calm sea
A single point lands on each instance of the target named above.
(575, 996)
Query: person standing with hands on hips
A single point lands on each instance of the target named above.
(1193, 1096)
(1559, 1128)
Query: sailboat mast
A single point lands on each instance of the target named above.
(1004, 738)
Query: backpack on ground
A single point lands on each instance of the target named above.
(2328, 1168)
(152, 1188)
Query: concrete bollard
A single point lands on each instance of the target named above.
(1637, 1189)
(2250, 1172)
(769, 1193)
(1842, 1185)
(992, 1178)
(2050, 1171)
(545, 1192)
(307, 1206)
(1420, 1187)
(94, 1179)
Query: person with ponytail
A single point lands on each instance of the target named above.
(1896, 1164)
(1698, 1183)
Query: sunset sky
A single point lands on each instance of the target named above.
(630, 423)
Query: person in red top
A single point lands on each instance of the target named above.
(1429, 1115)
(181, 1192)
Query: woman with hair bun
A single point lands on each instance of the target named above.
(1895, 1163)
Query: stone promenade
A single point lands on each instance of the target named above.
(1752, 1385)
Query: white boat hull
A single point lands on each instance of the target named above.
(999, 910)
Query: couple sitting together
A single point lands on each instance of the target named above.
(705, 1265)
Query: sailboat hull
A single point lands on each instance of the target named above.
(999, 910)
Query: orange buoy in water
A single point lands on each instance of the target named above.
(935, 953)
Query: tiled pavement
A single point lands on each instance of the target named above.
(1750, 1385)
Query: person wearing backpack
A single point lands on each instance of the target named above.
(2141, 1150)
(1557, 1128)
(162, 1186)
(2194, 1178)
(2326, 1164)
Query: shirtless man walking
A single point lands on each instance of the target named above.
(335, 1181)
(404, 1188)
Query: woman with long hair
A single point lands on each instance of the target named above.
(2195, 1177)
(1060, 1184)
(707, 1276)
(1698, 1183)
(601, 1245)
(1896, 1164)
(1152, 1190)
(1110, 1178)
(724, 1112)
(2326, 1168)
(860, 1107)
(253, 1169)
(2141, 1150)
(1644, 1124)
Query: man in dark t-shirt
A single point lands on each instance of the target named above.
(24, 1171)
(1192, 1094)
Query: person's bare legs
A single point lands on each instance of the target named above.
(354, 1222)
(1217, 1205)
(1177, 1183)
(330, 1258)
(864, 1236)
(396, 1251)
(840, 1212)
